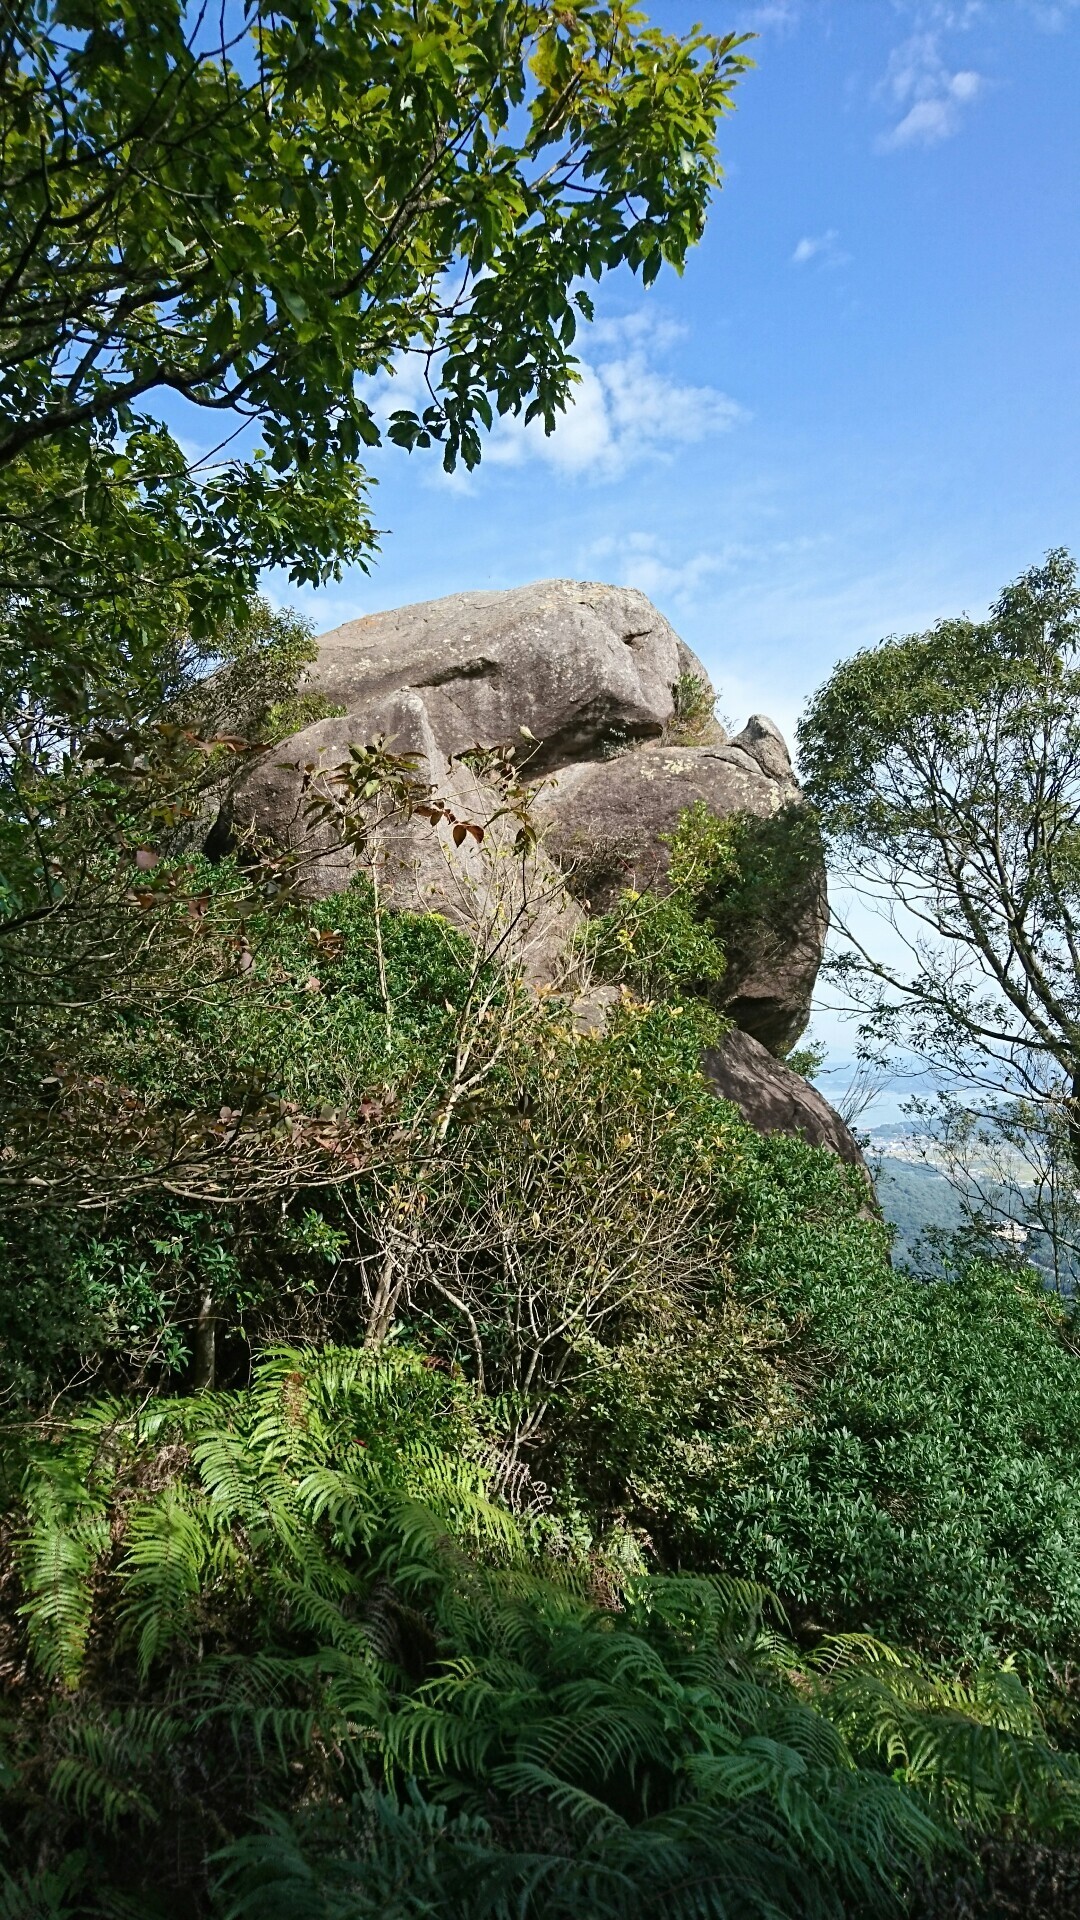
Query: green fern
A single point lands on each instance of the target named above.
(54, 1893)
(104, 1760)
(976, 1747)
(307, 1596)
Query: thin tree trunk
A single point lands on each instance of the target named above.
(204, 1357)
(1073, 1118)
(385, 1302)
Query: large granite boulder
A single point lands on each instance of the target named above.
(484, 888)
(776, 1100)
(566, 670)
(580, 664)
(609, 824)
(590, 682)
(609, 821)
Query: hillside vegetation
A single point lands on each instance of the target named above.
(450, 1463)
(543, 1541)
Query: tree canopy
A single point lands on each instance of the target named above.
(946, 770)
(242, 215)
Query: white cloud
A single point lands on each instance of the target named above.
(919, 80)
(643, 327)
(624, 407)
(782, 14)
(825, 248)
(403, 387)
(642, 560)
(1051, 15)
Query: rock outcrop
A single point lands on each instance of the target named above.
(582, 665)
(776, 1100)
(584, 668)
(590, 682)
(483, 889)
(608, 824)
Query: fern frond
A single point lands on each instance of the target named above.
(168, 1548)
(105, 1763)
(58, 1560)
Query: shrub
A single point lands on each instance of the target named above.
(655, 944)
(734, 888)
(693, 718)
(909, 1461)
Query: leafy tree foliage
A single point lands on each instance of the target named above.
(886, 1453)
(75, 809)
(248, 214)
(244, 221)
(946, 771)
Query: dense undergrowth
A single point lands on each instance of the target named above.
(453, 1465)
(559, 1561)
(292, 1649)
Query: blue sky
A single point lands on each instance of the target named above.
(860, 406)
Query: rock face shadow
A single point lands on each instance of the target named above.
(776, 1100)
